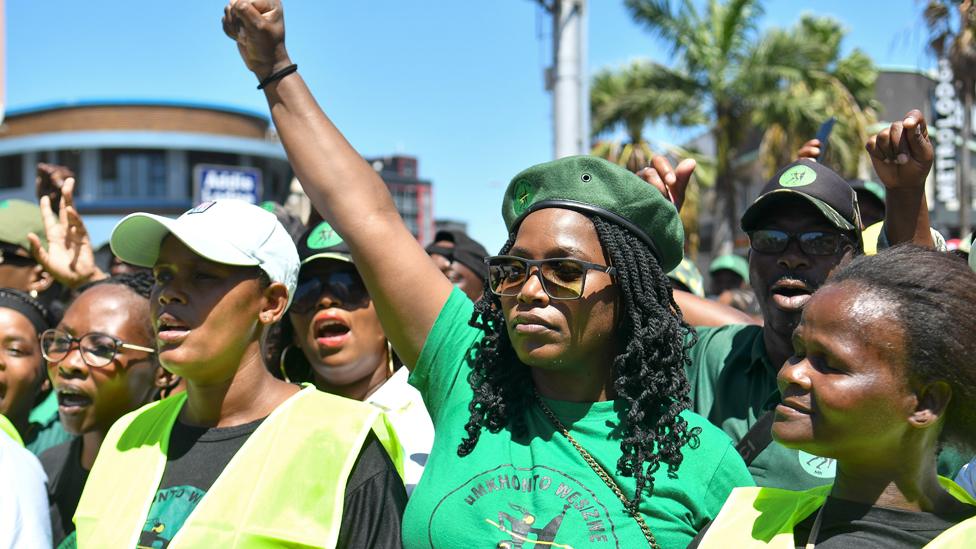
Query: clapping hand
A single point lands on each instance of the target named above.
(69, 258)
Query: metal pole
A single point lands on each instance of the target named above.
(570, 99)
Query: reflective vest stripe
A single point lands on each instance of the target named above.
(7, 427)
(284, 487)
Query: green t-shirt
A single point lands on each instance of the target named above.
(537, 491)
(45, 429)
(733, 384)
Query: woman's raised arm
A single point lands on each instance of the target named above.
(407, 289)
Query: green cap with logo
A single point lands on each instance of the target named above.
(594, 186)
(18, 218)
(322, 242)
(830, 193)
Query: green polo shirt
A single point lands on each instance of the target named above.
(45, 430)
(733, 384)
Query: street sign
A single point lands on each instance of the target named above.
(213, 182)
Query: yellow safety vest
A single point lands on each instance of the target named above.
(9, 428)
(765, 517)
(284, 487)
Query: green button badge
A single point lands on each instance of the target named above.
(324, 236)
(522, 194)
(797, 176)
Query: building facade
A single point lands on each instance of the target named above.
(164, 157)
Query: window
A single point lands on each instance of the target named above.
(132, 174)
(11, 172)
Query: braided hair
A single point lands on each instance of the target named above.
(649, 374)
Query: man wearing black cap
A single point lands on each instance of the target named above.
(462, 260)
(804, 224)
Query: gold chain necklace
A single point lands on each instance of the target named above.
(600, 472)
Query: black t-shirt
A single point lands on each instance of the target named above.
(65, 481)
(848, 524)
(851, 525)
(374, 496)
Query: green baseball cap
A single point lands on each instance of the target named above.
(731, 262)
(824, 188)
(18, 218)
(592, 185)
(688, 275)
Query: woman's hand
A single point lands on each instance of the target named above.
(258, 27)
(69, 257)
(672, 182)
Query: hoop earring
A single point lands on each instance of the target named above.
(281, 363)
(389, 357)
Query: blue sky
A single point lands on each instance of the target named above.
(457, 83)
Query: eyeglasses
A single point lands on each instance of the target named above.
(346, 286)
(771, 241)
(97, 350)
(9, 256)
(562, 278)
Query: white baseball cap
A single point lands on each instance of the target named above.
(231, 232)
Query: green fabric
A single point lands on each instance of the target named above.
(44, 430)
(538, 487)
(17, 219)
(733, 384)
(731, 262)
(594, 185)
(875, 188)
(688, 274)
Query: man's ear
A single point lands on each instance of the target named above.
(931, 403)
(274, 305)
(40, 279)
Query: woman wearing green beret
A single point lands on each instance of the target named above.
(559, 400)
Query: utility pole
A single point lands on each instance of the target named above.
(567, 78)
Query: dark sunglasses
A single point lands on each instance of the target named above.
(562, 278)
(97, 349)
(771, 241)
(9, 256)
(344, 286)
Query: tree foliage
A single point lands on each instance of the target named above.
(742, 85)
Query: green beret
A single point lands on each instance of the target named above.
(591, 185)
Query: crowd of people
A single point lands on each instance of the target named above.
(239, 378)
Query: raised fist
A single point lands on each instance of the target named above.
(902, 154)
(258, 27)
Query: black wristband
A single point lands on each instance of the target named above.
(278, 75)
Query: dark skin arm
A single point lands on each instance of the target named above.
(902, 156)
(407, 290)
(699, 311)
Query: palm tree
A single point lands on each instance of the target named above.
(952, 24)
(819, 84)
(729, 77)
(628, 99)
